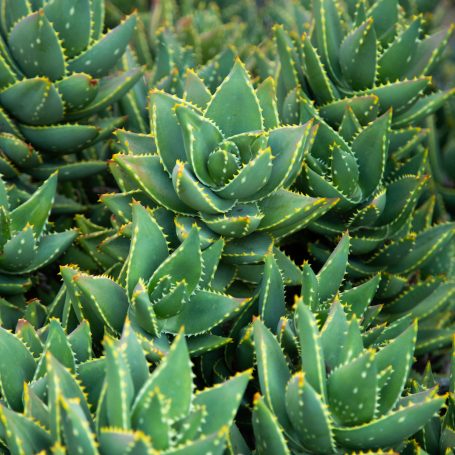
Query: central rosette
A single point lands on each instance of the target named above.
(226, 165)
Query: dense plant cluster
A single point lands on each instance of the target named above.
(226, 227)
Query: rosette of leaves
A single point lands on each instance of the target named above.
(62, 399)
(343, 397)
(27, 244)
(157, 290)
(230, 174)
(366, 56)
(57, 70)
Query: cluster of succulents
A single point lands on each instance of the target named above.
(227, 227)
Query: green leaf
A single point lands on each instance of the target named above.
(173, 378)
(119, 386)
(268, 434)
(309, 415)
(358, 56)
(148, 248)
(396, 59)
(76, 429)
(72, 21)
(332, 272)
(195, 90)
(316, 74)
(175, 265)
(35, 211)
(12, 379)
(111, 89)
(266, 93)
(273, 371)
(229, 392)
(34, 101)
(398, 354)
(311, 352)
(328, 33)
(211, 308)
(201, 138)
(149, 175)
(36, 48)
(62, 383)
(271, 298)
(370, 148)
(101, 56)
(153, 420)
(334, 335)
(103, 302)
(396, 426)
(352, 390)
(196, 195)
(235, 107)
(22, 435)
(60, 139)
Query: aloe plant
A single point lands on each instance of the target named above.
(58, 69)
(344, 397)
(27, 244)
(62, 398)
(205, 165)
(395, 59)
(155, 290)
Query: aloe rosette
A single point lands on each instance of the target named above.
(27, 243)
(62, 399)
(224, 162)
(343, 397)
(58, 69)
(155, 289)
(366, 56)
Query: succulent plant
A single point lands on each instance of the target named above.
(155, 289)
(395, 59)
(27, 245)
(62, 399)
(206, 166)
(57, 70)
(343, 397)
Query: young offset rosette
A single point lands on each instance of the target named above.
(225, 162)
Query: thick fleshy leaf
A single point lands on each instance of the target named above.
(235, 107)
(271, 298)
(358, 54)
(396, 426)
(309, 415)
(36, 210)
(230, 392)
(33, 101)
(399, 354)
(72, 22)
(267, 431)
(103, 301)
(100, 58)
(173, 378)
(311, 352)
(204, 310)
(332, 273)
(370, 148)
(149, 175)
(12, 379)
(351, 390)
(273, 371)
(196, 195)
(36, 48)
(201, 137)
(148, 247)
